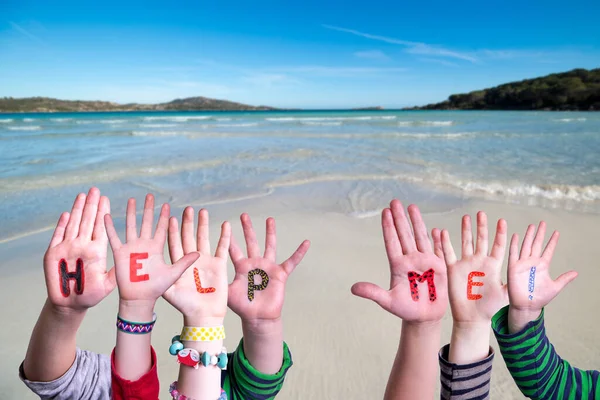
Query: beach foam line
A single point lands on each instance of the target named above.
(158, 125)
(177, 119)
(227, 200)
(25, 234)
(570, 120)
(300, 119)
(6, 120)
(25, 128)
(60, 119)
(28, 119)
(157, 133)
(426, 123)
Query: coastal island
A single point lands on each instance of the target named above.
(576, 90)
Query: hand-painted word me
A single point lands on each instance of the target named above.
(531, 282)
(252, 287)
(414, 277)
(134, 266)
(199, 287)
(65, 277)
(470, 285)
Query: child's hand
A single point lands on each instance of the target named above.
(142, 274)
(201, 292)
(79, 236)
(474, 283)
(254, 296)
(418, 285)
(530, 287)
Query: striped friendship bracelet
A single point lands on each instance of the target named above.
(135, 328)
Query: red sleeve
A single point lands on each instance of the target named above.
(145, 388)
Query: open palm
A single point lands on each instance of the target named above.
(477, 302)
(409, 255)
(265, 304)
(80, 235)
(201, 292)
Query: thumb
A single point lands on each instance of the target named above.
(110, 281)
(564, 280)
(182, 265)
(372, 292)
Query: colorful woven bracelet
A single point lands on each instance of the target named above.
(192, 358)
(136, 328)
(202, 334)
(178, 396)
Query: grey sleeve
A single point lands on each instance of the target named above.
(468, 381)
(88, 378)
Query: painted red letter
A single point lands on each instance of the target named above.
(65, 277)
(414, 277)
(470, 285)
(134, 265)
(199, 287)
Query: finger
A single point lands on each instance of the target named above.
(224, 241)
(73, 224)
(113, 237)
(423, 243)
(187, 231)
(90, 210)
(291, 263)
(449, 254)
(538, 242)
(564, 280)
(436, 234)
(513, 251)
(499, 247)
(407, 241)
(130, 223)
(175, 248)
(550, 247)
(390, 235)
(466, 237)
(235, 251)
(163, 224)
(110, 281)
(99, 229)
(372, 292)
(203, 234)
(271, 241)
(147, 218)
(527, 241)
(181, 266)
(482, 245)
(252, 246)
(59, 232)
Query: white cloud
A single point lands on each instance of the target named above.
(372, 55)
(24, 32)
(412, 47)
(441, 62)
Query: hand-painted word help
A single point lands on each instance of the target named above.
(414, 277)
(470, 285)
(252, 286)
(134, 266)
(531, 282)
(65, 277)
(199, 287)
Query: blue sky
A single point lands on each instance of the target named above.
(311, 54)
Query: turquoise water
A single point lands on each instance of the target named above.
(359, 157)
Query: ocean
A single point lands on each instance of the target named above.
(351, 162)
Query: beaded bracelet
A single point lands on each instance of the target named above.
(136, 328)
(192, 358)
(178, 396)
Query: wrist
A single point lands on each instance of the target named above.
(202, 321)
(136, 310)
(470, 342)
(65, 313)
(422, 326)
(518, 318)
(262, 326)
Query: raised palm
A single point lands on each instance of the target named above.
(409, 255)
(201, 292)
(265, 304)
(480, 300)
(80, 235)
(530, 286)
(142, 274)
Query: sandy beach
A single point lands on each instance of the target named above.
(343, 347)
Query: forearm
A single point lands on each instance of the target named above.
(52, 346)
(470, 342)
(204, 382)
(415, 368)
(263, 344)
(133, 357)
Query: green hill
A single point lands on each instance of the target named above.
(576, 90)
(46, 104)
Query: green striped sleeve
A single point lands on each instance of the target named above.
(242, 381)
(536, 368)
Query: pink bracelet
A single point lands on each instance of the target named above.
(178, 396)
